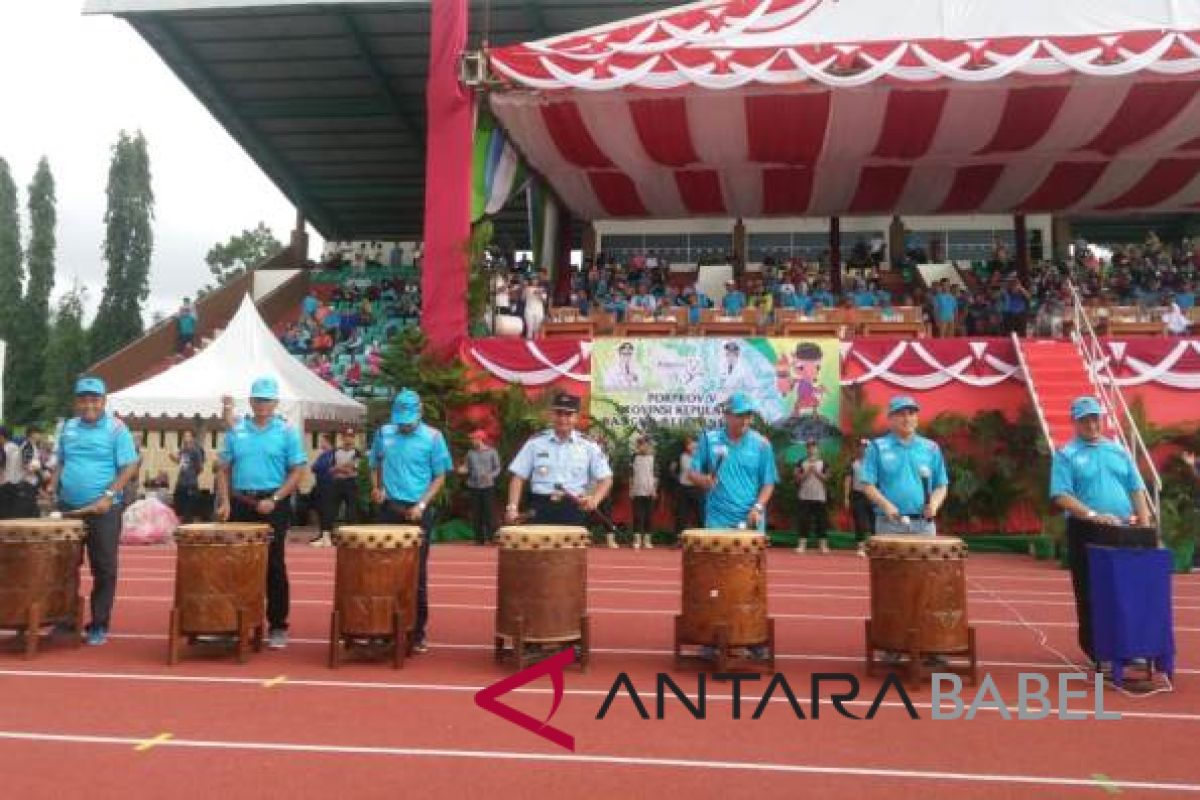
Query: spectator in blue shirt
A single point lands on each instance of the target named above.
(262, 461)
(945, 307)
(1015, 302)
(734, 301)
(409, 462)
(97, 459)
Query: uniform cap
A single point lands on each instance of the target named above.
(901, 403)
(265, 388)
(1085, 406)
(90, 386)
(741, 403)
(565, 402)
(406, 408)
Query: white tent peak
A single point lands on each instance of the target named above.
(244, 351)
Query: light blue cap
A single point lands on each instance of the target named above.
(406, 408)
(902, 402)
(1085, 406)
(265, 389)
(90, 386)
(740, 403)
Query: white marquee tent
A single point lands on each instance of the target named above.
(245, 350)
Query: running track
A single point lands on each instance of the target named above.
(116, 722)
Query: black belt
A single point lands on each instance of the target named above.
(251, 497)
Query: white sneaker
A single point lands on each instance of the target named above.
(320, 541)
(649, 545)
(825, 547)
(802, 546)
(637, 541)
(277, 639)
(611, 539)
(862, 551)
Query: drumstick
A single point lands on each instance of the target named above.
(611, 527)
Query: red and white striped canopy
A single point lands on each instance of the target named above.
(821, 107)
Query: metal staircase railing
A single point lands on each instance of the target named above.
(1119, 417)
(1037, 402)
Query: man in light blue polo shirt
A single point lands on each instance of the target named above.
(734, 302)
(409, 461)
(1097, 483)
(736, 465)
(263, 460)
(96, 459)
(904, 474)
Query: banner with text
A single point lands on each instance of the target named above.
(675, 381)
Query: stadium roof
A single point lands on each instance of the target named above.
(328, 98)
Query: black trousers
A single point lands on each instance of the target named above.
(862, 516)
(278, 588)
(1081, 533)
(394, 512)
(23, 500)
(103, 544)
(689, 508)
(187, 502)
(643, 509)
(551, 512)
(7, 500)
(812, 521)
(336, 494)
(483, 517)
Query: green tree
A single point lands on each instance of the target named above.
(128, 247)
(66, 355)
(11, 275)
(29, 339)
(239, 255)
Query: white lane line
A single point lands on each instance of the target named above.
(648, 651)
(674, 592)
(608, 760)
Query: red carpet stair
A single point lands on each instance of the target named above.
(1056, 376)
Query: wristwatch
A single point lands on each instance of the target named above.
(1092, 514)
(110, 494)
(757, 507)
(420, 506)
(275, 499)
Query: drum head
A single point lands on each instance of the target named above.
(916, 547)
(378, 537)
(542, 537)
(223, 533)
(41, 530)
(718, 540)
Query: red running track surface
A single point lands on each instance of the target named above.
(95, 722)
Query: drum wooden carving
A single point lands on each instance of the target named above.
(39, 577)
(724, 604)
(919, 603)
(220, 585)
(375, 589)
(541, 589)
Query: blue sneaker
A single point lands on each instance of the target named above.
(97, 635)
(759, 652)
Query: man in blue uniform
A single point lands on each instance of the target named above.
(567, 473)
(263, 461)
(96, 459)
(1096, 482)
(736, 465)
(409, 461)
(904, 474)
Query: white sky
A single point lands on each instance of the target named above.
(68, 85)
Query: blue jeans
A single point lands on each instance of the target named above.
(916, 526)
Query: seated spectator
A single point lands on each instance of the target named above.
(733, 303)
(353, 376)
(309, 306)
